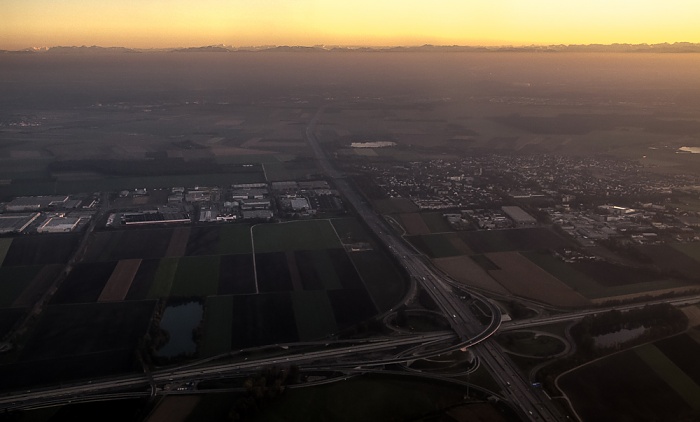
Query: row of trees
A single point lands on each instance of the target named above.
(260, 390)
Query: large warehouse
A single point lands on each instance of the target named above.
(520, 217)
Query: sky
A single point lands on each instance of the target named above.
(187, 23)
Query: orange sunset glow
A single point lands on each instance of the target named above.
(161, 23)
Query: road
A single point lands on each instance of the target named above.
(579, 314)
(467, 326)
(330, 356)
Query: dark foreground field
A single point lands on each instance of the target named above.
(657, 381)
(299, 283)
(366, 398)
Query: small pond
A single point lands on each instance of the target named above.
(618, 337)
(180, 321)
(377, 144)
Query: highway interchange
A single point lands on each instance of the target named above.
(520, 393)
(368, 354)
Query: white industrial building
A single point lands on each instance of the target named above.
(59, 225)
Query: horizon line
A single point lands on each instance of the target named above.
(357, 46)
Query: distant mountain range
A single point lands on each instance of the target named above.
(679, 47)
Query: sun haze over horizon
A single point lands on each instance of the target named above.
(180, 23)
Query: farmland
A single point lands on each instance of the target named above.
(302, 235)
(5, 243)
(85, 283)
(522, 278)
(382, 398)
(598, 280)
(413, 223)
(41, 249)
(441, 245)
(672, 261)
(128, 244)
(120, 280)
(513, 240)
(300, 284)
(423, 223)
(690, 249)
(13, 281)
(218, 320)
(653, 381)
(465, 270)
(80, 340)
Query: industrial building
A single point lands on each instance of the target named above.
(35, 203)
(59, 225)
(519, 217)
(16, 223)
(255, 204)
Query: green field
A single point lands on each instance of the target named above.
(690, 249)
(163, 280)
(372, 399)
(13, 281)
(218, 314)
(382, 280)
(530, 344)
(5, 243)
(323, 265)
(671, 374)
(234, 239)
(281, 171)
(313, 314)
(436, 222)
(578, 281)
(120, 183)
(196, 276)
(588, 286)
(350, 230)
(298, 235)
(435, 245)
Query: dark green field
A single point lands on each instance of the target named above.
(8, 318)
(41, 249)
(84, 284)
(236, 274)
(436, 222)
(43, 187)
(350, 230)
(383, 282)
(381, 399)
(672, 261)
(645, 383)
(71, 341)
(434, 245)
(218, 323)
(690, 249)
(5, 243)
(114, 245)
(196, 276)
(301, 235)
(13, 281)
(301, 284)
(513, 240)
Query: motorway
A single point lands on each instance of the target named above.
(471, 332)
(332, 355)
